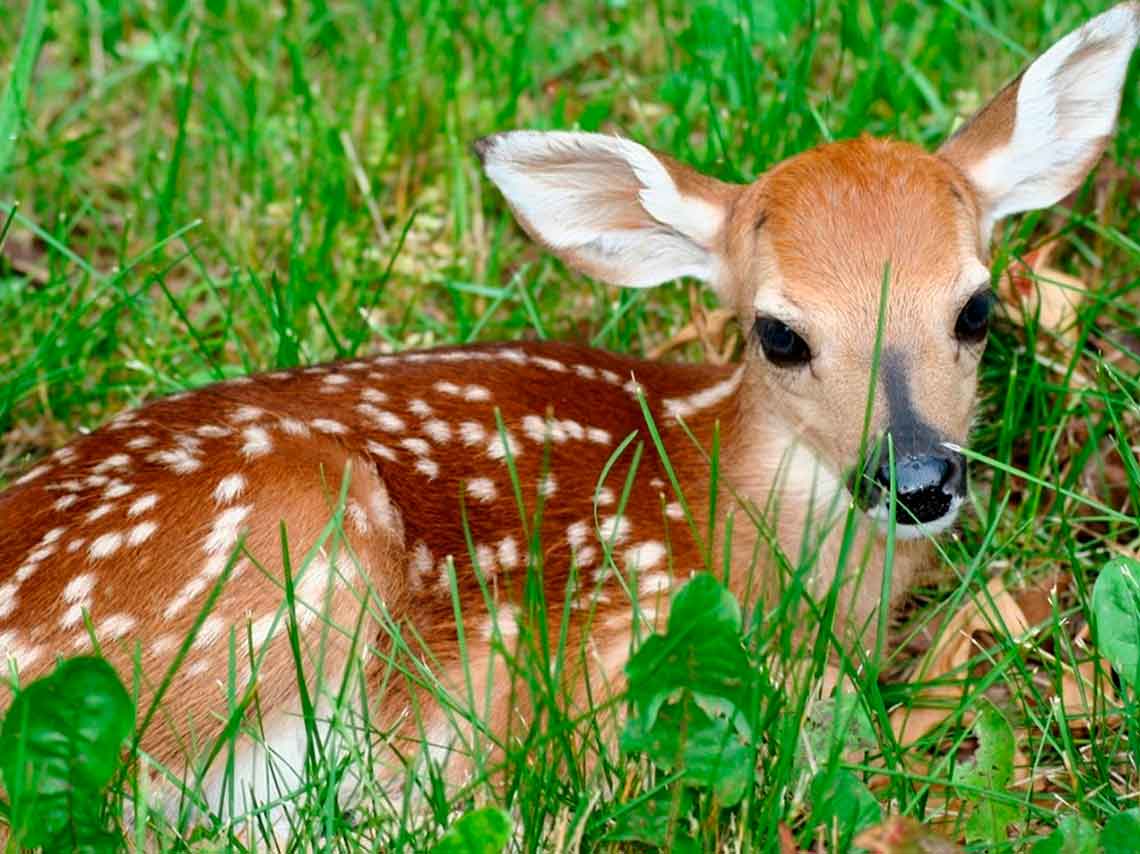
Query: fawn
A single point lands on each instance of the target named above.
(382, 491)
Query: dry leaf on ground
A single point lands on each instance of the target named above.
(996, 612)
(1031, 288)
(899, 835)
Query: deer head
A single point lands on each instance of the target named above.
(803, 252)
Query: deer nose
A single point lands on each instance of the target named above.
(926, 485)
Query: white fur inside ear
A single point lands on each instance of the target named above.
(1067, 103)
(605, 202)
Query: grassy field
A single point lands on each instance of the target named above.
(197, 190)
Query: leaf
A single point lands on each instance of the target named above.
(661, 820)
(481, 831)
(1121, 833)
(706, 749)
(13, 101)
(1116, 606)
(842, 801)
(702, 652)
(59, 748)
(1074, 835)
(946, 662)
(900, 835)
(990, 771)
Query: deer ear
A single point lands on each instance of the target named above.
(1036, 141)
(609, 207)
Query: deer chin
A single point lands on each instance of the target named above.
(880, 515)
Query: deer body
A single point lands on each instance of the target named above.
(407, 502)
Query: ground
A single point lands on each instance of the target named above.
(201, 190)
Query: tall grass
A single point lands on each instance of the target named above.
(195, 190)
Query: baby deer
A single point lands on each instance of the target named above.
(379, 515)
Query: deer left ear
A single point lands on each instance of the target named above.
(609, 207)
(1036, 141)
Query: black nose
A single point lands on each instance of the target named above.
(926, 484)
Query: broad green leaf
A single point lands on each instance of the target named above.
(481, 831)
(703, 604)
(1121, 833)
(840, 799)
(837, 723)
(1074, 835)
(701, 652)
(991, 770)
(1116, 605)
(59, 748)
(706, 749)
(661, 820)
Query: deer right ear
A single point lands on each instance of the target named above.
(1036, 141)
(609, 207)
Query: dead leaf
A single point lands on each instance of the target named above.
(948, 659)
(899, 835)
(1031, 288)
(714, 329)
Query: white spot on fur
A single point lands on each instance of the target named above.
(598, 436)
(140, 442)
(445, 387)
(328, 425)
(378, 450)
(422, 560)
(645, 556)
(586, 372)
(577, 534)
(654, 583)
(140, 533)
(229, 488)
(476, 393)
(115, 461)
(438, 431)
(683, 407)
(117, 489)
(79, 588)
(547, 486)
(336, 379)
(417, 446)
(549, 364)
(374, 395)
(675, 511)
(615, 529)
(210, 632)
(472, 433)
(421, 408)
(357, 516)
(224, 531)
(143, 503)
(294, 427)
(32, 474)
(482, 488)
(508, 552)
(485, 557)
(427, 467)
(500, 444)
(65, 501)
(8, 598)
(99, 512)
(504, 620)
(180, 460)
(115, 626)
(245, 414)
(257, 442)
(104, 545)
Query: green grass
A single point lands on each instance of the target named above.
(199, 190)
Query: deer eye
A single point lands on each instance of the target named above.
(781, 344)
(974, 318)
